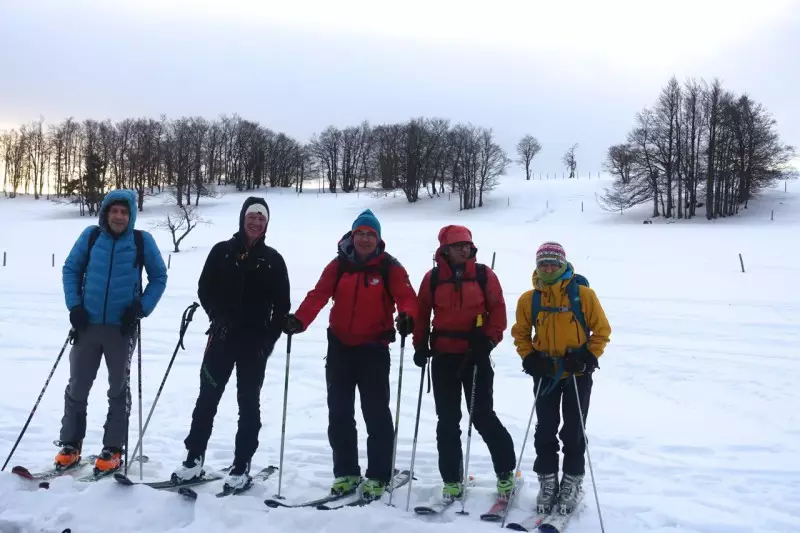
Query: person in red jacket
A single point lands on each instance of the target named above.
(365, 283)
(458, 344)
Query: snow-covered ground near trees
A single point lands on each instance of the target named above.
(693, 425)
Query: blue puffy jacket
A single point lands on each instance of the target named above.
(112, 278)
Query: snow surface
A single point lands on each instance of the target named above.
(693, 425)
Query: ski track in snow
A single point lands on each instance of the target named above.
(692, 425)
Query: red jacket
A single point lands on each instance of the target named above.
(455, 308)
(362, 309)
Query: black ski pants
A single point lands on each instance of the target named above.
(561, 400)
(450, 373)
(248, 353)
(366, 367)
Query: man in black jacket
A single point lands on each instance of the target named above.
(244, 289)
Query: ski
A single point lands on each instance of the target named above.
(399, 479)
(274, 502)
(437, 507)
(169, 484)
(51, 473)
(261, 475)
(531, 523)
(556, 522)
(499, 508)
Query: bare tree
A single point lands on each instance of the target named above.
(527, 148)
(180, 223)
(570, 161)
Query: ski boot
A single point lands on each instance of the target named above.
(109, 459)
(373, 489)
(505, 485)
(190, 469)
(68, 456)
(238, 477)
(548, 493)
(569, 493)
(452, 490)
(345, 485)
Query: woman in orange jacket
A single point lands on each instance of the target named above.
(570, 331)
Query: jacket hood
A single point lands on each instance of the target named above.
(247, 203)
(127, 195)
(450, 235)
(346, 249)
(566, 276)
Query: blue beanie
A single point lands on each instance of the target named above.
(367, 219)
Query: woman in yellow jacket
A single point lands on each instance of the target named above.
(570, 332)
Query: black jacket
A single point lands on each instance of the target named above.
(247, 289)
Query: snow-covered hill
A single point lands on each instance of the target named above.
(693, 426)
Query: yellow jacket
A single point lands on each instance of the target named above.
(556, 333)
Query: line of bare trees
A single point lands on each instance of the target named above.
(697, 141)
(79, 161)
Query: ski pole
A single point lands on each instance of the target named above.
(588, 455)
(522, 449)
(70, 336)
(397, 412)
(283, 422)
(465, 473)
(416, 432)
(139, 373)
(188, 314)
(129, 358)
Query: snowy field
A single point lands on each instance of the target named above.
(693, 425)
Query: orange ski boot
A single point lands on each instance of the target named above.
(68, 456)
(109, 459)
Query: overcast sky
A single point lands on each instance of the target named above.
(563, 73)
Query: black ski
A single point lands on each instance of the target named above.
(400, 479)
(274, 503)
(169, 484)
(261, 475)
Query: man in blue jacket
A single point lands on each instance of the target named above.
(102, 280)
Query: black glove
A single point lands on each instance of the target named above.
(421, 355)
(79, 318)
(537, 364)
(129, 317)
(220, 326)
(481, 345)
(292, 325)
(405, 324)
(581, 360)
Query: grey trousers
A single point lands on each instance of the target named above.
(84, 361)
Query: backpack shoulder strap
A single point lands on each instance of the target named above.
(480, 276)
(386, 267)
(434, 281)
(536, 306)
(92, 239)
(573, 293)
(138, 239)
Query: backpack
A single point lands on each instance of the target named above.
(574, 299)
(138, 263)
(383, 267)
(573, 293)
(480, 277)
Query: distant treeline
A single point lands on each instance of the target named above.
(80, 161)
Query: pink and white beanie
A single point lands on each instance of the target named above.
(551, 253)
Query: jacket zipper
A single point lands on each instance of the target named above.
(108, 280)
